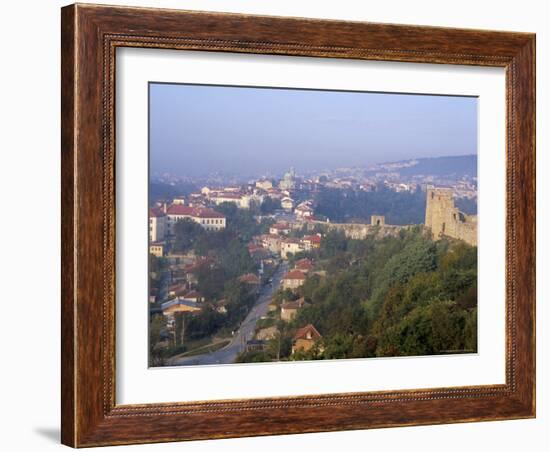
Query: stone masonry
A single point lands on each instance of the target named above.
(444, 219)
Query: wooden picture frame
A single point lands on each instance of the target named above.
(90, 36)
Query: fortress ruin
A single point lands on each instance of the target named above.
(444, 219)
(377, 220)
(359, 231)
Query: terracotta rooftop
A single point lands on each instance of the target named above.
(307, 332)
(249, 278)
(303, 264)
(312, 239)
(297, 304)
(295, 274)
(196, 212)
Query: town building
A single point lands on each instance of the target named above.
(305, 338)
(377, 220)
(173, 290)
(291, 246)
(304, 265)
(157, 224)
(208, 218)
(293, 279)
(311, 242)
(153, 294)
(258, 252)
(241, 200)
(288, 182)
(250, 278)
(156, 249)
(274, 193)
(264, 184)
(193, 296)
(271, 242)
(287, 203)
(279, 229)
(171, 307)
(251, 281)
(304, 210)
(289, 309)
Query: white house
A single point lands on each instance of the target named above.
(264, 184)
(290, 246)
(156, 249)
(279, 228)
(157, 225)
(208, 218)
(287, 203)
(293, 279)
(242, 201)
(304, 209)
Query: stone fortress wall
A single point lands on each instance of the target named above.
(444, 219)
(359, 231)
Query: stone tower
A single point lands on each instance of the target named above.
(377, 220)
(444, 219)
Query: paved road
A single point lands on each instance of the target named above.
(229, 353)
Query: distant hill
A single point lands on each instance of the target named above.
(458, 166)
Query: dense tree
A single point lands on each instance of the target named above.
(398, 296)
(242, 222)
(333, 243)
(211, 282)
(270, 205)
(203, 324)
(156, 352)
(186, 233)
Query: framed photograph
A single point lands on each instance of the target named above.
(281, 225)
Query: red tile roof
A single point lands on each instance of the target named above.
(308, 330)
(295, 274)
(312, 238)
(205, 212)
(303, 264)
(196, 212)
(291, 240)
(180, 209)
(297, 304)
(249, 278)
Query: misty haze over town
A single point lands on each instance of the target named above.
(196, 130)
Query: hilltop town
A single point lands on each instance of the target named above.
(252, 271)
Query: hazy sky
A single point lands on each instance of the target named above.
(197, 130)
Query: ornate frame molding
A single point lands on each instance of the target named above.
(90, 37)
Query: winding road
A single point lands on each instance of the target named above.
(229, 353)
